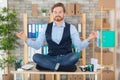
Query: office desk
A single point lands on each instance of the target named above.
(35, 71)
(55, 73)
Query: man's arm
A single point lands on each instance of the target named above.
(76, 38)
(22, 36)
(34, 44)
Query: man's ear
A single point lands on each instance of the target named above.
(51, 14)
(51, 17)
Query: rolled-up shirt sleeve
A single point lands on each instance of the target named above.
(39, 42)
(76, 39)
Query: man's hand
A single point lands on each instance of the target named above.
(93, 35)
(21, 35)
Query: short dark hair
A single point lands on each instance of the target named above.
(58, 5)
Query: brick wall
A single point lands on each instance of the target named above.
(3, 3)
(118, 47)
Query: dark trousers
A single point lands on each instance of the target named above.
(51, 62)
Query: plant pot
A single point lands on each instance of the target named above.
(43, 14)
(7, 77)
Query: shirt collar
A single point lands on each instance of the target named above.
(63, 24)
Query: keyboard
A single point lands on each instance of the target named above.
(28, 66)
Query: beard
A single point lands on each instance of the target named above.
(58, 18)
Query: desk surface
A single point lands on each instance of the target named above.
(51, 72)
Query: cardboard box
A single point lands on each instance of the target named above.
(73, 9)
(69, 77)
(107, 3)
(98, 23)
(7, 76)
(34, 76)
(107, 75)
(97, 55)
(77, 9)
(107, 58)
(106, 24)
(79, 77)
(70, 8)
(74, 77)
(34, 9)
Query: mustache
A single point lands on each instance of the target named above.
(57, 16)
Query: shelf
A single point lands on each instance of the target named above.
(49, 16)
(74, 15)
(38, 16)
(106, 66)
(101, 57)
(106, 9)
(111, 28)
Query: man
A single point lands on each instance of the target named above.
(60, 36)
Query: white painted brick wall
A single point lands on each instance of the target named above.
(3, 3)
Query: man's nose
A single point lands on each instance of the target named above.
(57, 14)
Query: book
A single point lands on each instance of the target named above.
(106, 38)
(80, 29)
(29, 30)
(33, 31)
(36, 30)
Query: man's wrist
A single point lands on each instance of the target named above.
(26, 39)
(88, 39)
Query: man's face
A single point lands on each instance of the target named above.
(58, 14)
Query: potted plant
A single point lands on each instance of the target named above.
(8, 39)
(7, 62)
(44, 11)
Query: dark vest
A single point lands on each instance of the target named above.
(65, 45)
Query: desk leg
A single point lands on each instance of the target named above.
(49, 76)
(90, 76)
(93, 77)
(14, 76)
(57, 76)
(22, 76)
(96, 76)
